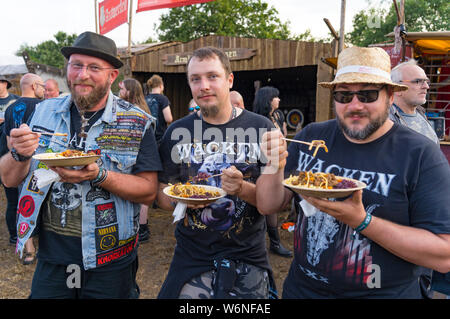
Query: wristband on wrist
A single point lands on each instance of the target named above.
(101, 177)
(363, 225)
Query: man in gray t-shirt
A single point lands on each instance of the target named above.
(407, 109)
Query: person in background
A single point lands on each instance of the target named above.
(407, 110)
(19, 112)
(193, 107)
(237, 100)
(407, 107)
(266, 102)
(90, 216)
(6, 99)
(51, 89)
(220, 250)
(159, 105)
(373, 243)
(131, 91)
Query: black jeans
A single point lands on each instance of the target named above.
(12, 196)
(56, 282)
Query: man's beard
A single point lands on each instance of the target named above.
(87, 102)
(370, 128)
(210, 111)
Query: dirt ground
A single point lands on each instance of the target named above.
(154, 258)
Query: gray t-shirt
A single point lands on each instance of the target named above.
(419, 124)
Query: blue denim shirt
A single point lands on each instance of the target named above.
(116, 136)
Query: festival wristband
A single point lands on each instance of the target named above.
(363, 225)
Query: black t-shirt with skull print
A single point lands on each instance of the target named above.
(230, 227)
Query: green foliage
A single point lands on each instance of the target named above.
(48, 52)
(245, 18)
(371, 26)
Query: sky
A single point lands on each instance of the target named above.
(35, 21)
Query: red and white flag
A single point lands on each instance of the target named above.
(112, 13)
(144, 5)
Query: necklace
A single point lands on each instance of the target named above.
(233, 113)
(84, 122)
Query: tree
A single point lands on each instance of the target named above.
(246, 18)
(49, 52)
(420, 15)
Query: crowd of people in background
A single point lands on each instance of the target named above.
(96, 216)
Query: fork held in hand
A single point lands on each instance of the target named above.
(317, 143)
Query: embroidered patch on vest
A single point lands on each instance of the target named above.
(23, 229)
(124, 104)
(105, 214)
(125, 135)
(106, 238)
(118, 253)
(32, 186)
(97, 192)
(26, 206)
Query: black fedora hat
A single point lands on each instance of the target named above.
(8, 83)
(93, 44)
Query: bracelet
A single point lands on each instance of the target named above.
(101, 177)
(363, 225)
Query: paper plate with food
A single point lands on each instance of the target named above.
(322, 185)
(194, 194)
(67, 158)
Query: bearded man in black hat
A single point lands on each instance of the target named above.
(89, 215)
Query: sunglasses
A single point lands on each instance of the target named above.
(194, 108)
(364, 96)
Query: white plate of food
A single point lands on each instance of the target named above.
(194, 194)
(323, 185)
(67, 158)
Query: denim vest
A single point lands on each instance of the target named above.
(109, 223)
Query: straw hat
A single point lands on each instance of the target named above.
(364, 65)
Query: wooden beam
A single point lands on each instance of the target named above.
(332, 30)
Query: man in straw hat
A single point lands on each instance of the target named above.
(371, 244)
(90, 215)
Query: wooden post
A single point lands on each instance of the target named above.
(96, 16)
(129, 27)
(341, 31)
(402, 17)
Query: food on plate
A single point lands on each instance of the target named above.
(75, 153)
(192, 191)
(320, 181)
(201, 176)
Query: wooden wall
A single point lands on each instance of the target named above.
(269, 54)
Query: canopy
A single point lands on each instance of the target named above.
(429, 42)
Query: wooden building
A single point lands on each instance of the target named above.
(294, 67)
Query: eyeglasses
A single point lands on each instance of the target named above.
(364, 96)
(419, 82)
(92, 68)
(194, 108)
(40, 84)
